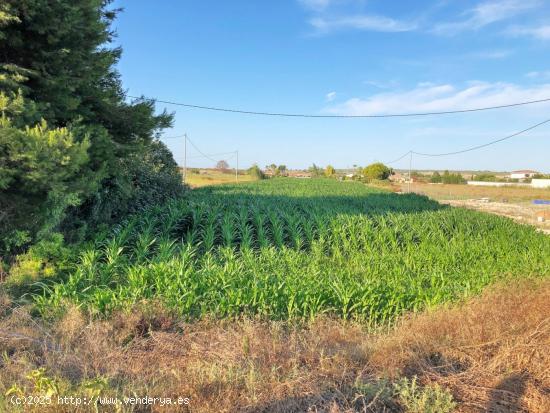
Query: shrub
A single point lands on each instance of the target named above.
(435, 178)
(256, 172)
(377, 171)
(452, 178)
(428, 399)
(315, 171)
(485, 177)
(329, 171)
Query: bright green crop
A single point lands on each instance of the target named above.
(289, 248)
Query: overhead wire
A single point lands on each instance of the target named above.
(306, 115)
(469, 149)
(473, 148)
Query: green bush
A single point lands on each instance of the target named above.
(377, 171)
(436, 178)
(427, 399)
(485, 177)
(74, 153)
(452, 178)
(329, 171)
(256, 172)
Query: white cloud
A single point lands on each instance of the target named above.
(330, 96)
(540, 32)
(427, 97)
(361, 22)
(486, 13)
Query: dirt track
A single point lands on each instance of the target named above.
(525, 213)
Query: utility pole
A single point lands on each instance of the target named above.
(410, 166)
(237, 169)
(184, 157)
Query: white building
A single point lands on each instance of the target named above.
(525, 173)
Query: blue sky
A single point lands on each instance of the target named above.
(345, 57)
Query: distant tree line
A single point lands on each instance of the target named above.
(447, 178)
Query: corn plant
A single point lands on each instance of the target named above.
(287, 249)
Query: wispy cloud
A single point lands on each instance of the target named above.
(332, 15)
(426, 97)
(389, 84)
(330, 96)
(538, 32)
(361, 22)
(544, 75)
(486, 13)
(491, 54)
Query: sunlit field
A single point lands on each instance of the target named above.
(285, 249)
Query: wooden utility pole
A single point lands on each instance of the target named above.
(237, 169)
(184, 157)
(410, 166)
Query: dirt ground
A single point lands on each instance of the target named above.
(526, 213)
(203, 177)
(512, 202)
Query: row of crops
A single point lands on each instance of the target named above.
(288, 248)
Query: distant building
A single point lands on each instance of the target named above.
(299, 174)
(522, 174)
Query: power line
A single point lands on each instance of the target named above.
(172, 137)
(398, 159)
(203, 155)
(473, 148)
(305, 115)
(215, 154)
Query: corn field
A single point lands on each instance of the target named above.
(288, 248)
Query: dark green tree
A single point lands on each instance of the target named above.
(58, 65)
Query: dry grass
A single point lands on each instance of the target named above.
(213, 177)
(500, 194)
(492, 353)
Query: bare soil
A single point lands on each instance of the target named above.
(537, 215)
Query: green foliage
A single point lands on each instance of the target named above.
(315, 171)
(485, 177)
(286, 249)
(377, 171)
(275, 170)
(329, 171)
(256, 172)
(436, 178)
(42, 173)
(144, 178)
(452, 178)
(418, 176)
(41, 382)
(383, 395)
(427, 399)
(281, 170)
(73, 152)
(43, 260)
